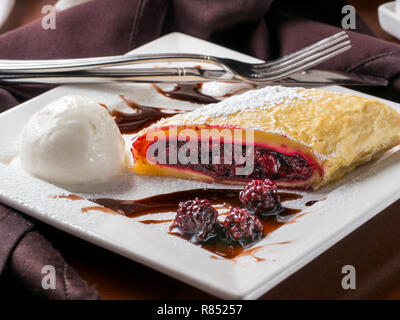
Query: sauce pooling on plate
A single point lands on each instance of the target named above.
(142, 118)
(224, 200)
(187, 92)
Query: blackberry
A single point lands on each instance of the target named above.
(197, 218)
(242, 227)
(261, 197)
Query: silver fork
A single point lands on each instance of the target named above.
(261, 72)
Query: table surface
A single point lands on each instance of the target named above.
(376, 262)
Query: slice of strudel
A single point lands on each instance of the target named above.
(299, 138)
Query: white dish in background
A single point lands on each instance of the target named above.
(350, 202)
(66, 4)
(6, 7)
(389, 18)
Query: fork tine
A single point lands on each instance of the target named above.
(261, 73)
(278, 64)
(306, 49)
(300, 67)
(301, 54)
(311, 64)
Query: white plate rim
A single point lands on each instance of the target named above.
(217, 289)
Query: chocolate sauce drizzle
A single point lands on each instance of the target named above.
(221, 198)
(225, 198)
(70, 197)
(187, 92)
(142, 118)
(311, 203)
(129, 123)
(232, 250)
(168, 202)
(228, 198)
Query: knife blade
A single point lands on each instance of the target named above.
(312, 77)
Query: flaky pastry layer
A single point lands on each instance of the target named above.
(332, 132)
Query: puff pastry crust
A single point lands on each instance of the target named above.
(304, 138)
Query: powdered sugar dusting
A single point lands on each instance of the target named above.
(265, 98)
(260, 99)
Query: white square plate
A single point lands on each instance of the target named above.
(350, 202)
(389, 18)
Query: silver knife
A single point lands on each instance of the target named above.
(188, 74)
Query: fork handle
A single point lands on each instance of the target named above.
(69, 65)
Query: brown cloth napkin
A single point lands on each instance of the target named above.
(23, 254)
(266, 29)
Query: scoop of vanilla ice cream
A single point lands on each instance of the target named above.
(72, 141)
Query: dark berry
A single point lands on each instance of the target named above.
(269, 164)
(261, 197)
(241, 226)
(197, 218)
(295, 167)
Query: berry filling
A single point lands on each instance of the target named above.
(268, 164)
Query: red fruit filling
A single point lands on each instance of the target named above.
(267, 164)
